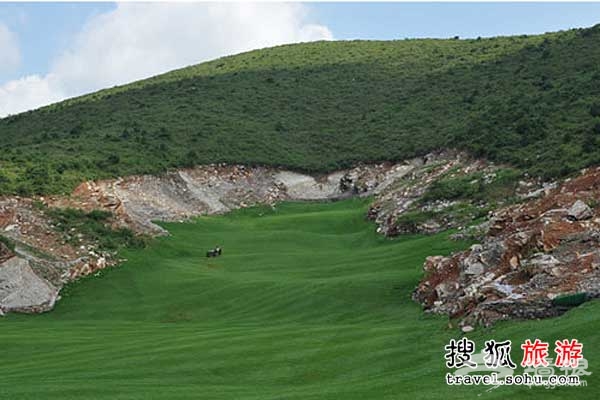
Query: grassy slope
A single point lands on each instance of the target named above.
(532, 101)
(306, 303)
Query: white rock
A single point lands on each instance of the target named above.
(475, 268)
(579, 211)
(22, 288)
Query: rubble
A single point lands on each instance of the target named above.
(532, 253)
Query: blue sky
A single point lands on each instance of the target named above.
(400, 20)
(44, 30)
(55, 46)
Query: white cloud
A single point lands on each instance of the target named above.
(27, 93)
(136, 41)
(9, 50)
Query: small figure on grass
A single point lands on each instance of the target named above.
(214, 252)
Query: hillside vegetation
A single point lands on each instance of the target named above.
(530, 101)
(306, 302)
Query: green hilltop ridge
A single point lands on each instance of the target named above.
(531, 101)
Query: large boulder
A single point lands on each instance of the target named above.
(580, 211)
(22, 290)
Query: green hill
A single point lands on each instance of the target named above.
(306, 302)
(530, 101)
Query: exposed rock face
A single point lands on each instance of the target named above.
(213, 189)
(401, 193)
(23, 223)
(532, 253)
(32, 275)
(398, 196)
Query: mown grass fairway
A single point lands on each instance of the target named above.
(307, 302)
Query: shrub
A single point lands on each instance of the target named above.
(7, 242)
(452, 188)
(570, 300)
(94, 226)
